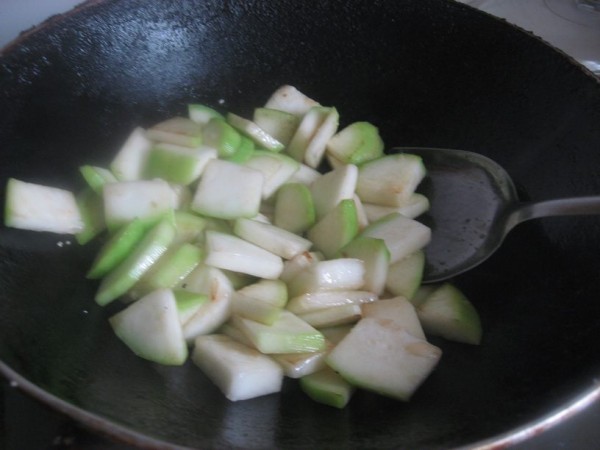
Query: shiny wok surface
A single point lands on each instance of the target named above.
(428, 73)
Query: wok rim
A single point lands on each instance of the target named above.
(119, 433)
(126, 435)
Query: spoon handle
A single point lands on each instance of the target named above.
(577, 206)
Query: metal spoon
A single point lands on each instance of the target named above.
(474, 205)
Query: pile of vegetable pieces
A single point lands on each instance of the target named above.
(223, 240)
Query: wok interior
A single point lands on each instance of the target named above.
(428, 73)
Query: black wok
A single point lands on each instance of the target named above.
(429, 73)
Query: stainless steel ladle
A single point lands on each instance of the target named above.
(474, 205)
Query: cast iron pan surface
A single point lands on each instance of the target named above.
(428, 73)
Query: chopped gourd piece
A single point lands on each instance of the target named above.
(412, 207)
(294, 208)
(331, 275)
(240, 372)
(254, 309)
(233, 253)
(130, 161)
(214, 313)
(177, 164)
(333, 316)
(124, 276)
(376, 257)
(288, 334)
(404, 276)
(289, 99)
(390, 180)
(314, 301)
(279, 124)
(333, 187)
(228, 191)
(336, 229)
(274, 239)
(381, 356)
(402, 236)
(446, 312)
(96, 177)
(142, 199)
(276, 168)
(398, 309)
(221, 136)
(358, 143)
(150, 327)
(35, 207)
(202, 114)
(327, 387)
(273, 292)
(251, 130)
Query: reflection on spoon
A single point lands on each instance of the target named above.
(474, 205)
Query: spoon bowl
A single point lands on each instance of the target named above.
(474, 205)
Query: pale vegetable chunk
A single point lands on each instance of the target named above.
(376, 257)
(305, 175)
(331, 275)
(327, 387)
(188, 303)
(151, 328)
(228, 191)
(381, 356)
(170, 269)
(334, 316)
(288, 334)
(336, 229)
(202, 114)
(254, 309)
(145, 253)
(142, 199)
(401, 235)
(315, 150)
(177, 130)
(294, 208)
(314, 301)
(333, 187)
(357, 143)
(273, 292)
(177, 164)
(279, 124)
(390, 180)
(130, 161)
(297, 365)
(412, 207)
(210, 316)
(117, 248)
(446, 312)
(397, 309)
(294, 266)
(232, 253)
(36, 207)
(307, 131)
(96, 177)
(274, 239)
(240, 372)
(289, 99)
(276, 169)
(254, 132)
(404, 276)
